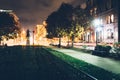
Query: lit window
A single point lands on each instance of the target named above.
(108, 19)
(112, 18)
(101, 21)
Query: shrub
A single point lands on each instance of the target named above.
(115, 51)
(104, 44)
(84, 46)
(101, 50)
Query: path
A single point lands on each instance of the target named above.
(105, 63)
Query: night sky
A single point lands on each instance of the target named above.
(32, 12)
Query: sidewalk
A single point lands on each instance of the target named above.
(105, 63)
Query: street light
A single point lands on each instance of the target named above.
(97, 23)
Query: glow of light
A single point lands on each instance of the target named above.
(112, 18)
(44, 23)
(40, 34)
(99, 29)
(101, 21)
(31, 40)
(96, 22)
(1, 10)
(23, 31)
(108, 19)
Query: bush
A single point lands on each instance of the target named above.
(101, 50)
(84, 46)
(98, 47)
(115, 51)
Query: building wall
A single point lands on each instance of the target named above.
(105, 10)
(110, 25)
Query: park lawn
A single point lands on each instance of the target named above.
(95, 71)
(35, 63)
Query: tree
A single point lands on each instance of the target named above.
(84, 17)
(61, 32)
(40, 32)
(61, 18)
(9, 24)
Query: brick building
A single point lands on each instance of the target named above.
(108, 13)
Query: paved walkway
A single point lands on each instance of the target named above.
(105, 63)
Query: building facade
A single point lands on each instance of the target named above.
(107, 11)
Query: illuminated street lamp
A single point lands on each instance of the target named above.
(97, 23)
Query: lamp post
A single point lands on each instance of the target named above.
(96, 37)
(97, 28)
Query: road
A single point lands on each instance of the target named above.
(34, 63)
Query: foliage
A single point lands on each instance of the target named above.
(84, 46)
(60, 31)
(59, 19)
(77, 30)
(116, 50)
(116, 45)
(9, 24)
(102, 50)
(83, 17)
(81, 20)
(74, 21)
(40, 32)
(104, 44)
(102, 47)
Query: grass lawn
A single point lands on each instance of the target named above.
(35, 63)
(99, 73)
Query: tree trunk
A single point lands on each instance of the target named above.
(59, 45)
(68, 43)
(72, 41)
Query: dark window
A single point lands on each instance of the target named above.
(108, 4)
(109, 34)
